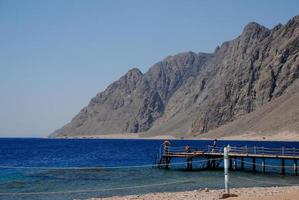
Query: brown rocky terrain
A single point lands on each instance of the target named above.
(247, 85)
(279, 117)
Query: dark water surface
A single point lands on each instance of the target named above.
(47, 174)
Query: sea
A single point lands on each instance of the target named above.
(63, 169)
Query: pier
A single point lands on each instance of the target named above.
(255, 157)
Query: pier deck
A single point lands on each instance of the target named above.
(232, 155)
(215, 154)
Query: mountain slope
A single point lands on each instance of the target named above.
(136, 100)
(242, 76)
(196, 93)
(280, 116)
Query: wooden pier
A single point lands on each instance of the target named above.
(213, 156)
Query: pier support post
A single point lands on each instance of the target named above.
(167, 162)
(226, 172)
(282, 166)
(263, 165)
(235, 164)
(253, 164)
(209, 163)
(242, 163)
(213, 163)
(295, 167)
(189, 163)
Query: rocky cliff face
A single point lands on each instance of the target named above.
(195, 93)
(136, 100)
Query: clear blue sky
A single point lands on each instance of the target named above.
(55, 55)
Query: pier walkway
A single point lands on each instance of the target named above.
(237, 157)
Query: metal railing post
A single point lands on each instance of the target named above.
(226, 172)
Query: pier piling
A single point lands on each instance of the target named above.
(189, 163)
(263, 165)
(230, 164)
(254, 164)
(295, 167)
(242, 163)
(282, 166)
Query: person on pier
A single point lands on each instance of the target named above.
(189, 159)
(166, 145)
(166, 160)
(188, 148)
(214, 145)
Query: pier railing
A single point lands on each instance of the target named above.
(265, 151)
(214, 155)
(283, 151)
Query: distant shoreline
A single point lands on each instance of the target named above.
(283, 137)
(276, 137)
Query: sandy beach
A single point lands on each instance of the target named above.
(120, 136)
(267, 193)
(282, 136)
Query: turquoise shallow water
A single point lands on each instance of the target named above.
(57, 181)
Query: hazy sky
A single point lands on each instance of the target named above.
(55, 55)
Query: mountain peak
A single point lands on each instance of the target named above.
(179, 55)
(293, 22)
(296, 18)
(253, 27)
(134, 70)
(133, 76)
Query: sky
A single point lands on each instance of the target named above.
(55, 55)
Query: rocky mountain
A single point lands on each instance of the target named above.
(134, 102)
(278, 119)
(193, 93)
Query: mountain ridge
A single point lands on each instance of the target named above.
(195, 93)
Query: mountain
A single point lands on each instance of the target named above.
(278, 118)
(134, 102)
(194, 94)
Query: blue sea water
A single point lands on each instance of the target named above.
(75, 169)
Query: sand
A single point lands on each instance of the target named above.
(282, 136)
(267, 193)
(119, 136)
